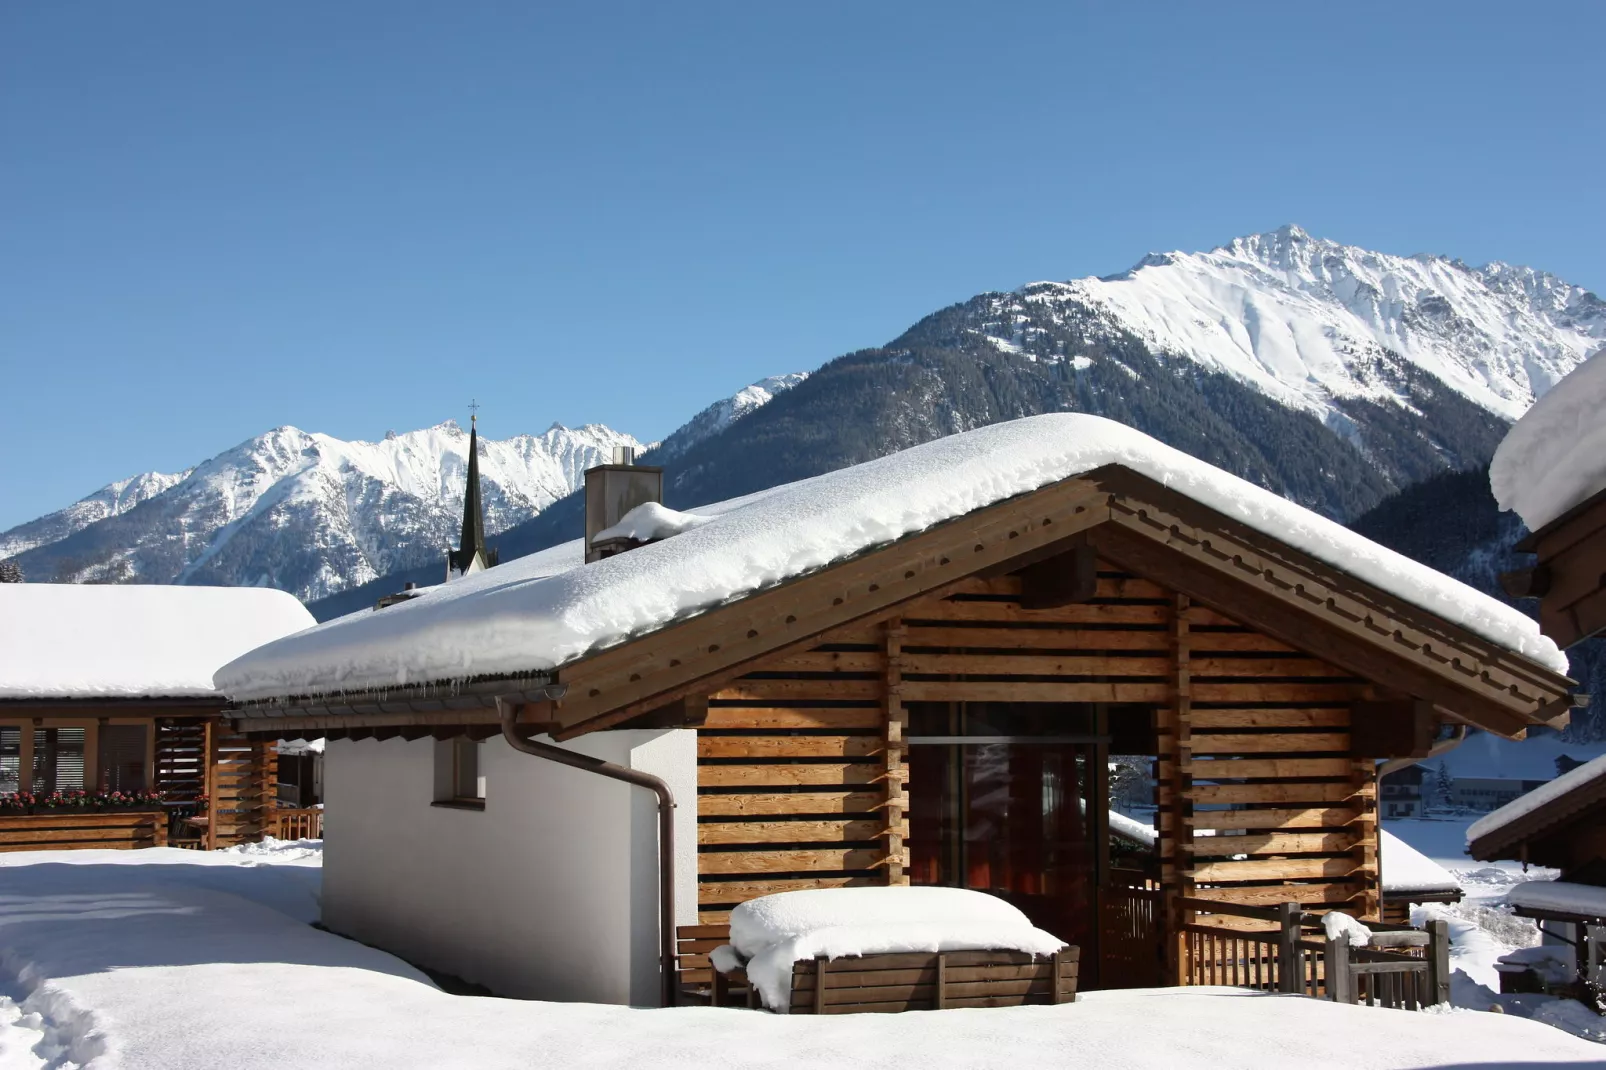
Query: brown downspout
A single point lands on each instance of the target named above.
(666, 829)
(1443, 746)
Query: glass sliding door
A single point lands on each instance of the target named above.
(999, 802)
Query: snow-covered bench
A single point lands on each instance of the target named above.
(846, 950)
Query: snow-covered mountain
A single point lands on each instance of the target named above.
(109, 500)
(721, 414)
(1312, 323)
(314, 514)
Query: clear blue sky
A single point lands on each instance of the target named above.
(222, 217)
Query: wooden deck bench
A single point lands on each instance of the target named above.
(699, 982)
(932, 981)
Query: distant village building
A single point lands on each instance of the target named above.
(110, 734)
(911, 671)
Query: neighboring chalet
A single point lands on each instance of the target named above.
(1411, 877)
(915, 670)
(107, 688)
(1561, 825)
(1551, 469)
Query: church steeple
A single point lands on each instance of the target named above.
(471, 554)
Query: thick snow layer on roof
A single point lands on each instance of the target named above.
(1485, 754)
(774, 931)
(1555, 456)
(1527, 804)
(1562, 897)
(84, 641)
(1405, 869)
(528, 616)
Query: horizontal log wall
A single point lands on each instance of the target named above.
(793, 775)
(1264, 803)
(801, 771)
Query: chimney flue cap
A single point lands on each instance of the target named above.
(624, 455)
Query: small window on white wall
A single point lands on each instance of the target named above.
(458, 779)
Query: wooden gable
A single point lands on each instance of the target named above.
(1570, 577)
(1129, 520)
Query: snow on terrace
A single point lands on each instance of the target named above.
(189, 965)
(528, 616)
(79, 641)
(1555, 456)
(1540, 796)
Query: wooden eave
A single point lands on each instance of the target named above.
(1541, 821)
(1134, 521)
(198, 706)
(1129, 518)
(1317, 607)
(1571, 553)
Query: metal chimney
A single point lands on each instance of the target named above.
(612, 490)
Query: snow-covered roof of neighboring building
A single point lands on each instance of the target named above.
(534, 614)
(1407, 870)
(1586, 776)
(1560, 897)
(1486, 755)
(123, 641)
(1555, 456)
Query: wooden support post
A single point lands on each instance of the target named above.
(942, 982)
(1370, 908)
(1340, 982)
(1290, 963)
(209, 759)
(1176, 777)
(1059, 976)
(25, 756)
(1438, 955)
(896, 765)
(820, 974)
(92, 754)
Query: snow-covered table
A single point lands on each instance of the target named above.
(843, 950)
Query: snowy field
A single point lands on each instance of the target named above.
(181, 961)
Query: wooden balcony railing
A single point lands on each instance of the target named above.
(299, 824)
(1283, 949)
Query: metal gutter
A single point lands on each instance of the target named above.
(508, 707)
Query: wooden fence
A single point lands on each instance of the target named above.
(1403, 968)
(117, 829)
(297, 824)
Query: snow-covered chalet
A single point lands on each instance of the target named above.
(110, 734)
(971, 663)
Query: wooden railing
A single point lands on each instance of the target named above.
(72, 829)
(286, 824)
(1404, 968)
(1270, 958)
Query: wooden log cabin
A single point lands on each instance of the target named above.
(918, 670)
(107, 688)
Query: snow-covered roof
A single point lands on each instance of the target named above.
(541, 611)
(1560, 897)
(122, 641)
(1407, 870)
(1524, 805)
(1555, 456)
(1486, 755)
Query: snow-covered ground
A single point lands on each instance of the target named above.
(1483, 928)
(181, 961)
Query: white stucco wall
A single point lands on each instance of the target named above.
(550, 892)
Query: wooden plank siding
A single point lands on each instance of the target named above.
(802, 772)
